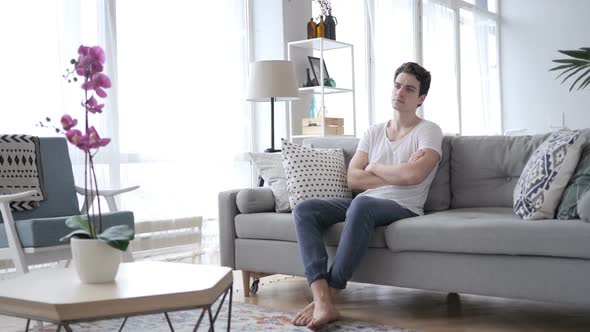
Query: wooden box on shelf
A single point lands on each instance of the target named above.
(313, 126)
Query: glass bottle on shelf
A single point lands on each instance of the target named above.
(312, 108)
(320, 28)
(311, 27)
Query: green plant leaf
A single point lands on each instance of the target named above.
(584, 84)
(580, 60)
(578, 54)
(560, 67)
(79, 222)
(571, 61)
(581, 76)
(79, 233)
(574, 73)
(117, 237)
(566, 71)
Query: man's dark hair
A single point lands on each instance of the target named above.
(421, 74)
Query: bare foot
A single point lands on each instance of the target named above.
(323, 313)
(304, 316)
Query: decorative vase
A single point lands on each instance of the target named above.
(95, 261)
(330, 82)
(320, 28)
(330, 27)
(311, 26)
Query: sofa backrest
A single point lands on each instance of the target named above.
(60, 194)
(439, 197)
(485, 169)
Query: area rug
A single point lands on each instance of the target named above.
(244, 317)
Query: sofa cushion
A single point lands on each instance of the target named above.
(314, 173)
(46, 232)
(494, 231)
(280, 227)
(255, 200)
(546, 174)
(270, 168)
(579, 183)
(485, 169)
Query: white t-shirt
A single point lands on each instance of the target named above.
(380, 149)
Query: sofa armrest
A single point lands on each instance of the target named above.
(254, 200)
(228, 210)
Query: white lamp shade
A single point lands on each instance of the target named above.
(272, 78)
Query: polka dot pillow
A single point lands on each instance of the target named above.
(545, 176)
(314, 173)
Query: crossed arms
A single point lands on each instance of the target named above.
(363, 175)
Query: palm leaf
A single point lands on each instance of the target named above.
(578, 61)
(579, 78)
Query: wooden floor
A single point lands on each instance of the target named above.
(407, 308)
(425, 311)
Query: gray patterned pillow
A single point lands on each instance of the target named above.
(546, 175)
(314, 173)
(270, 168)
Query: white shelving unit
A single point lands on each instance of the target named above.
(298, 51)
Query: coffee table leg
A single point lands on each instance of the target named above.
(231, 292)
(123, 324)
(199, 321)
(27, 326)
(169, 322)
(211, 321)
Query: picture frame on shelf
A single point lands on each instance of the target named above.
(315, 68)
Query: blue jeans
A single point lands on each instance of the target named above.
(361, 216)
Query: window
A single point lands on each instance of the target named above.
(175, 112)
(457, 41)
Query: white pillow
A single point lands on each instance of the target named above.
(270, 168)
(546, 174)
(314, 173)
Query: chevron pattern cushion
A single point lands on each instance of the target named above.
(545, 176)
(314, 173)
(20, 169)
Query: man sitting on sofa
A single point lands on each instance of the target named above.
(394, 164)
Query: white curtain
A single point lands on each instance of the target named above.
(393, 43)
(176, 111)
(480, 75)
(441, 105)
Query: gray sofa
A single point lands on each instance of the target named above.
(469, 240)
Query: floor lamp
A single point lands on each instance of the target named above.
(272, 80)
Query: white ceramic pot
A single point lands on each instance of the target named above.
(95, 261)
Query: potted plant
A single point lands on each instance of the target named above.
(96, 252)
(578, 62)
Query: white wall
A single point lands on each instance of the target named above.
(531, 33)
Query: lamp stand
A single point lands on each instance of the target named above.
(272, 127)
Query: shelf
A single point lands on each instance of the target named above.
(311, 136)
(315, 44)
(327, 90)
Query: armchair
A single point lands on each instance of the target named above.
(32, 237)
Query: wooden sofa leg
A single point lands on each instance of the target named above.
(246, 283)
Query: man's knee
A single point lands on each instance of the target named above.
(360, 210)
(304, 210)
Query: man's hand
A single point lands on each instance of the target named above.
(415, 156)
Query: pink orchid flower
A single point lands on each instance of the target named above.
(67, 122)
(96, 83)
(93, 106)
(74, 136)
(94, 140)
(90, 60)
